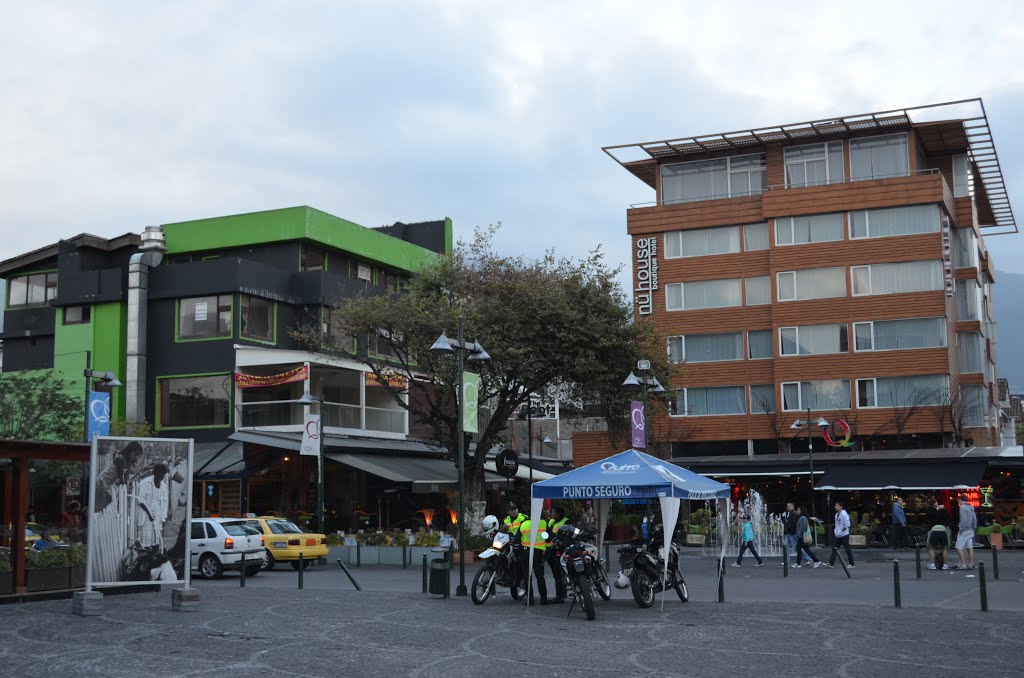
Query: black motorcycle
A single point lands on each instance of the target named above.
(584, 571)
(647, 576)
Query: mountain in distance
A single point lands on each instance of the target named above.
(1008, 295)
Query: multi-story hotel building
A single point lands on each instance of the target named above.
(839, 266)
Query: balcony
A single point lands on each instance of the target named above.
(922, 186)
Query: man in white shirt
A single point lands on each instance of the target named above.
(965, 535)
(153, 508)
(841, 536)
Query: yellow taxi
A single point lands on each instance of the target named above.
(284, 540)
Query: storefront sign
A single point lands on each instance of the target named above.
(507, 463)
(392, 380)
(255, 381)
(646, 274)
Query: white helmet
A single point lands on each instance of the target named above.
(621, 581)
(490, 525)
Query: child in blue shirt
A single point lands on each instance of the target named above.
(748, 543)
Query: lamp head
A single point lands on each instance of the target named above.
(306, 399)
(631, 380)
(797, 425)
(478, 354)
(108, 379)
(822, 423)
(442, 345)
(656, 386)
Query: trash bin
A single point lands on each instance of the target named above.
(439, 573)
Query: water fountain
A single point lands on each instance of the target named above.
(768, 529)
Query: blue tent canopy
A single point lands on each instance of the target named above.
(630, 475)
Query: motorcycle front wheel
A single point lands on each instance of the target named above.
(643, 589)
(603, 586)
(680, 586)
(482, 585)
(586, 597)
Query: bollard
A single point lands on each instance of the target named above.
(896, 583)
(405, 548)
(785, 559)
(359, 555)
(984, 591)
(424, 572)
(349, 575)
(721, 580)
(302, 567)
(241, 572)
(995, 563)
(917, 548)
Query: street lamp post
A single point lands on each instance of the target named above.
(643, 381)
(105, 379)
(309, 399)
(476, 354)
(796, 426)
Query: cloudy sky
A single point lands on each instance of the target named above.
(114, 115)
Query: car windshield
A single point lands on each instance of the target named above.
(283, 527)
(237, 529)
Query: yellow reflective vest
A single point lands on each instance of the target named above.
(524, 534)
(553, 528)
(513, 525)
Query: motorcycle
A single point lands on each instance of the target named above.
(648, 571)
(500, 569)
(584, 570)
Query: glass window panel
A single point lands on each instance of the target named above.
(812, 283)
(861, 279)
(678, 404)
(821, 339)
(787, 286)
(788, 341)
(972, 352)
(909, 333)
(791, 396)
(37, 288)
(865, 393)
(701, 348)
(674, 297)
(961, 176)
(965, 248)
(673, 244)
(716, 400)
(879, 157)
(836, 169)
(257, 318)
(17, 293)
(204, 317)
(809, 228)
(973, 405)
(762, 398)
(859, 224)
(712, 294)
(968, 300)
(759, 290)
(701, 180)
(313, 258)
(760, 344)
(863, 340)
(910, 391)
(195, 401)
(675, 349)
(703, 241)
(755, 237)
(827, 394)
(908, 276)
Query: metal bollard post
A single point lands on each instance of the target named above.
(995, 563)
(917, 554)
(424, 572)
(241, 572)
(896, 583)
(349, 575)
(302, 567)
(405, 548)
(984, 591)
(359, 555)
(451, 563)
(721, 580)
(785, 560)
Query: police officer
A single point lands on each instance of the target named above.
(554, 557)
(513, 520)
(525, 530)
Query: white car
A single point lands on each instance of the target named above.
(218, 545)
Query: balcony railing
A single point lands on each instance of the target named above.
(336, 415)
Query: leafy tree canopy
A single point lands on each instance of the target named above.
(37, 406)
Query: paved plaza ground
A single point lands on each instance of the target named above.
(812, 623)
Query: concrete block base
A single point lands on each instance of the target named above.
(87, 603)
(185, 600)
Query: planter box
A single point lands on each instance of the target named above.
(6, 582)
(858, 540)
(380, 555)
(47, 579)
(695, 539)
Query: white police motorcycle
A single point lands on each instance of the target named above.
(500, 566)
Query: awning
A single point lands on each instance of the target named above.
(217, 459)
(426, 474)
(522, 473)
(902, 477)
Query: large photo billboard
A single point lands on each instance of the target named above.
(140, 500)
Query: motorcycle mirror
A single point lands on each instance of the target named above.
(544, 535)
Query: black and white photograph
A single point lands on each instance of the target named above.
(140, 502)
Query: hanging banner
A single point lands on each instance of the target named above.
(311, 435)
(98, 421)
(393, 380)
(638, 424)
(255, 381)
(470, 393)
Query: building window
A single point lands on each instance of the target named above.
(755, 237)
(703, 294)
(709, 401)
(759, 344)
(811, 283)
(336, 335)
(193, 402)
(963, 181)
(879, 157)
(31, 290)
(77, 315)
(902, 391)
(972, 352)
(712, 179)
(759, 290)
(312, 258)
(908, 276)
(702, 242)
(813, 340)
(891, 221)
(380, 345)
(974, 401)
(814, 164)
(762, 398)
(893, 335)
(204, 317)
(826, 394)
(705, 348)
(808, 229)
(257, 318)
(965, 248)
(968, 300)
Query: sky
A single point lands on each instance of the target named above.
(115, 115)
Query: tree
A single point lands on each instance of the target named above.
(552, 321)
(905, 404)
(954, 411)
(37, 406)
(764, 403)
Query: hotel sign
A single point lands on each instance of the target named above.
(646, 275)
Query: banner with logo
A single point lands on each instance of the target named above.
(470, 395)
(638, 424)
(393, 380)
(256, 380)
(311, 433)
(98, 421)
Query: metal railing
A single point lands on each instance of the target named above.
(336, 415)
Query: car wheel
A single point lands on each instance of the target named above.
(210, 567)
(268, 561)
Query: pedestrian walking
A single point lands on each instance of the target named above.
(965, 535)
(841, 536)
(747, 540)
(900, 535)
(804, 539)
(790, 536)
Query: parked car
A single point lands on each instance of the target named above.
(218, 545)
(285, 540)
